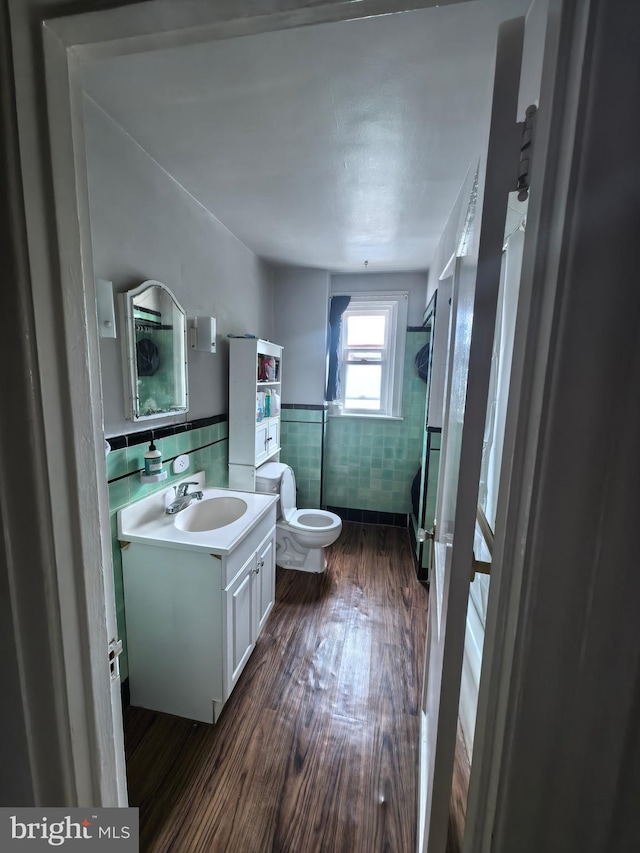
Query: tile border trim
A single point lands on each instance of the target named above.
(371, 516)
(131, 439)
(169, 459)
(309, 407)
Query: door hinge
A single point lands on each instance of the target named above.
(527, 128)
(115, 650)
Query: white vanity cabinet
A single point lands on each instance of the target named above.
(252, 441)
(193, 619)
(248, 602)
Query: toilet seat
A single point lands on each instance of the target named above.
(313, 521)
(303, 520)
(288, 494)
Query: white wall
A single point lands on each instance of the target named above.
(146, 226)
(302, 306)
(414, 282)
(300, 326)
(450, 237)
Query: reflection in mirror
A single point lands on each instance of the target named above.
(155, 356)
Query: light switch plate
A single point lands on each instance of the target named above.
(180, 464)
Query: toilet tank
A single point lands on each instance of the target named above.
(268, 477)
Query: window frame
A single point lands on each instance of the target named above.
(394, 305)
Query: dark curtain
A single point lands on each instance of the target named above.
(337, 306)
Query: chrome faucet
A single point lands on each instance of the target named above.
(183, 497)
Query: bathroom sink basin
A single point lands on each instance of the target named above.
(210, 514)
(215, 525)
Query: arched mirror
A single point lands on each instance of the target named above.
(155, 355)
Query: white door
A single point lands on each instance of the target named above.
(475, 292)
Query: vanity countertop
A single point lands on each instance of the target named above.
(147, 522)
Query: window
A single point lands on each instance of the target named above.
(372, 350)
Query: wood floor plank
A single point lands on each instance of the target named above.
(316, 749)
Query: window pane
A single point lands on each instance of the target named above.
(365, 330)
(363, 383)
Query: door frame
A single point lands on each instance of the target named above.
(471, 335)
(73, 513)
(565, 78)
(72, 507)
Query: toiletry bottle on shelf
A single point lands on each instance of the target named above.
(267, 403)
(269, 368)
(152, 461)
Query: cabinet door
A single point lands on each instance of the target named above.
(262, 443)
(265, 580)
(273, 438)
(240, 623)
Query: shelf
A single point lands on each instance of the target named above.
(251, 442)
(153, 478)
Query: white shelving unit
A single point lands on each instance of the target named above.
(251, 442)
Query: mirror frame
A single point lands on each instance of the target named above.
(130, 362)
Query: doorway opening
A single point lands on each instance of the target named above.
(58, 57)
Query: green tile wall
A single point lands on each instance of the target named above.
(301, 435)
(370, 463)
(207, 449)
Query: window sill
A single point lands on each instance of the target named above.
(361, 416)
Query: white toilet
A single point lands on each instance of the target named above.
(301, 534)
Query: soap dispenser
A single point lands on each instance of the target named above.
(153, 472)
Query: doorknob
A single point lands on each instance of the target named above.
(423, 534)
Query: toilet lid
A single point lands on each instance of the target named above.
(287, 494)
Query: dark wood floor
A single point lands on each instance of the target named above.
(316, 749)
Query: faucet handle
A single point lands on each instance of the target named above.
(182, 488)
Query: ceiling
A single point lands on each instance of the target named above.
(322, 146)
